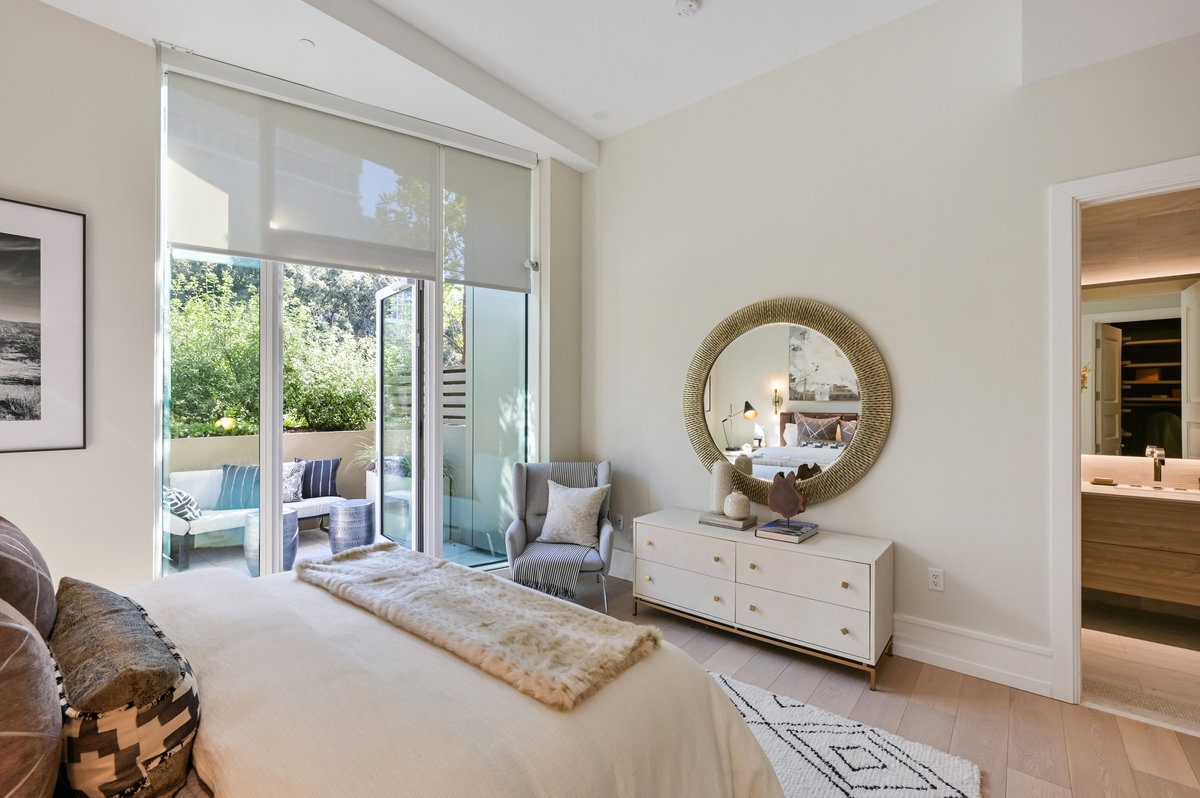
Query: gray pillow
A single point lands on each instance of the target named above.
(293, 477)
(25, 579)
(30, 718)
(573, 515)
(121, 679)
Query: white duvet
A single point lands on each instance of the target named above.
(303, 694)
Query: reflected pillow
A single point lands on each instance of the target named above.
(848, 428)
(573, 515)
(817, 429)
(791, 435)
(293, 475)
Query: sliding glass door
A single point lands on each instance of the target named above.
(399, 465)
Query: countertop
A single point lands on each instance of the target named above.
(1125, 490)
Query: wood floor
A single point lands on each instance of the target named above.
(1026, 745)
(1141, 677)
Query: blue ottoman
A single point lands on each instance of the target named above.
(351, 523)
(291, 539)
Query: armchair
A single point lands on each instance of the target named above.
(531, 494)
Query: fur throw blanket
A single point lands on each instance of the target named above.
(554, 651)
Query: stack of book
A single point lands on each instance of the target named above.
(787, 531)
(725, 522)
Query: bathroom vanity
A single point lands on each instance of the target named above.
(1142, 541)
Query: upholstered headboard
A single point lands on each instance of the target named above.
(789, 417)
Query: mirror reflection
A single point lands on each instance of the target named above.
(786, 398)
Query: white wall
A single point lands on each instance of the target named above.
(901, 177)
(80, 109)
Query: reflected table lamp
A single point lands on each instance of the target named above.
(748, 412)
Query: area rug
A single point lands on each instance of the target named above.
(816, 753)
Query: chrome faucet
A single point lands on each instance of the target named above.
(1160, 459)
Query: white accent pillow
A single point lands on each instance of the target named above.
(293, 474)
(791, 435)
(573, 515)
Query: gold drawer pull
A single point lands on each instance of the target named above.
(753, 608)
(845, 631)
(752, 566)
(845, 585)
(649, 542)
(716, 558)
(648, 579)
(716, 598)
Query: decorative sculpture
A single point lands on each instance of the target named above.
(784, 497)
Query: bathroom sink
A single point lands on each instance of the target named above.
(1157, 489)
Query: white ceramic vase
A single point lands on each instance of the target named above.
(722, 485)
(737, 505)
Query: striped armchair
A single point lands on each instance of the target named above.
(531, 494)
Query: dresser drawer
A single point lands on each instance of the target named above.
(687, 590)
(805, 621)
(704, 555)
(808, 575)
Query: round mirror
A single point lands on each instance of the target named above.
(791, 385)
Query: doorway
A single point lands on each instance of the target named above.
(1088, 658)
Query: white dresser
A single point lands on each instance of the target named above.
(830, 596)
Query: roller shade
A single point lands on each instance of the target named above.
(487, 218)
(256, 177)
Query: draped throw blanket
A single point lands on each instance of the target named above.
(556, 652)
(550, 567)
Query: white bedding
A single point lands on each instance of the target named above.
(303, 694)
(770, 460)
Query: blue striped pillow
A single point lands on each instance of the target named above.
(239, 487)
(320, 477)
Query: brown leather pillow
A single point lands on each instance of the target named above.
(25, 579)
(817, 429)
(848, 429)
(30, 715)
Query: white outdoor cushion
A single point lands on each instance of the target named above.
(205, 486)
(572, 515)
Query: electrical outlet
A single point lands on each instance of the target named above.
(619, 522)
(937, 579)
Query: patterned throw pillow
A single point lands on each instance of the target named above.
(848, 429)
(30, 718)
(129, 701)
(239, 487)
(25, 579)
(817, 429)
(573, 514)
(320, 477)
(293, 477)
(181, 503)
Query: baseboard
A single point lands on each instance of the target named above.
(997, 659)
(622, 564)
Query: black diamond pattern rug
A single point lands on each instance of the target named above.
(817, 753)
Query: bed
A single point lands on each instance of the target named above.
(304, 694)
(809, 439)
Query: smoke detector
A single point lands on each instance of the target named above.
(686, 8)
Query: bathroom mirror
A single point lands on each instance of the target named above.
(830, 381)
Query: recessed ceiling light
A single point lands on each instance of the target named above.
(308, 42)
(686, 8)
(600, 115)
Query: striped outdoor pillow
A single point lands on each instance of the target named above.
(239, 487)
(320, 477)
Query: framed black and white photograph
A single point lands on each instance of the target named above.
(41, 328)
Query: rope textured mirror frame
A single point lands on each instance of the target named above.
(875, 389)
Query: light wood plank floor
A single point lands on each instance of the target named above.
(1025, 745)
(1133, 676)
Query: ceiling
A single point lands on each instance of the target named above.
(557, 76)
(549, 76)
(1149, 238)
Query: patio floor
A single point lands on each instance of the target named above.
(315, 543)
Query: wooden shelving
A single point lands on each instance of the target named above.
(1151, 381)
